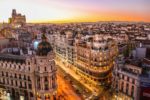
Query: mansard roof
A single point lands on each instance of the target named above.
(12, 58)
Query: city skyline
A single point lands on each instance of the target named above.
(75, 61)
(77, 11)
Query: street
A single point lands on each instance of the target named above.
(100, 92)
(65, 90)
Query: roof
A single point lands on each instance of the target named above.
(12, 58)
(147, 61)
(44, 47)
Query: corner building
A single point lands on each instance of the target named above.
(33, 77)
(90, 57)
(95, 59)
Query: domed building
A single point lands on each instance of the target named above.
(44, 47)
(30, 77)
(45, 71)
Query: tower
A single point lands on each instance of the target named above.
(45, 71)
(14, 13)
(17, 20)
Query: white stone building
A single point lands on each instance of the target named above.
(131, 79)
(30, 76)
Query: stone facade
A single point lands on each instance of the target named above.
(29, 76)
(90, 56)
(17, 20)
(95, 59)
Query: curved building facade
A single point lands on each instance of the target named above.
(95, 59)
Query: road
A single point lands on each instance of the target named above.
(65, 90)
(100, 92)
(95, 90)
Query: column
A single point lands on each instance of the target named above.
(42, 97)
(49, 81)
(41, 83)
(28, 95)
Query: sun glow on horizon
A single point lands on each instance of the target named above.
(59, 11)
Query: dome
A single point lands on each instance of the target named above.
(44, 47)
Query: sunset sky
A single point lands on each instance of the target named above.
(77, 10)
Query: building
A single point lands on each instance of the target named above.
(30, 77)
(126, 80)
(95, 59)
(131, 81)
(64, 48)
(145, 80)
(17, 20)
(91, 57)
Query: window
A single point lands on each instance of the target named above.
(31, 94)
(16, 83)
(19, 76)
(29, 78)
(24, 77)
(46, 86)
(133, 81)
(19, 67)
(6, 74)
(122, 76)
(127, 87)
(35, 61)
(122, 86)
(45, 69)
(30, 86)
(21, 84)
(51, 67)
(25, 85)
(128, 79)
(45, 79)
(2, 73)
(15, 76)
(132, 91)
(11, 82)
